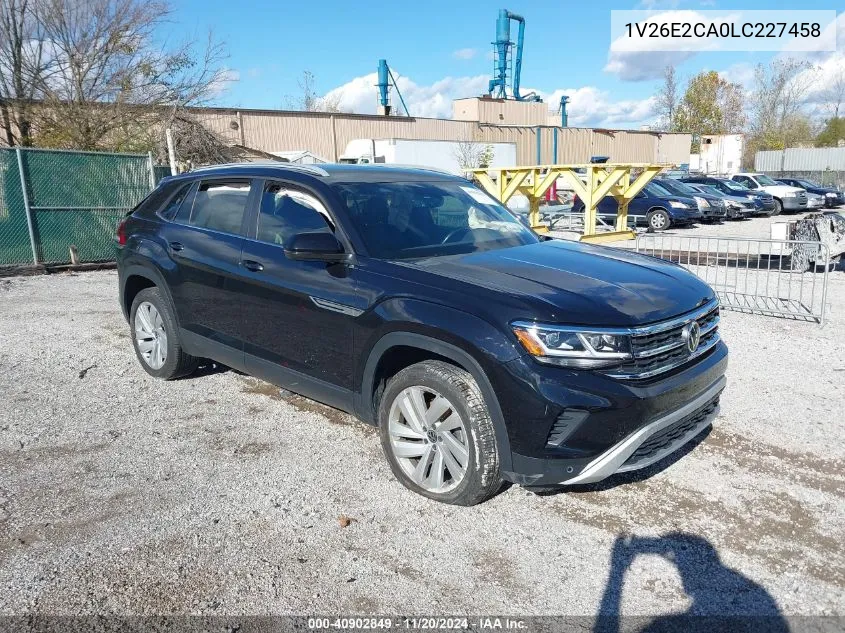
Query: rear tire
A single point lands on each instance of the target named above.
(437, 434)
(155, 337)
(658, 220)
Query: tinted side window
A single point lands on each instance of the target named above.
(152, 203)
(219, 205)
(172, 207)
(286, 212)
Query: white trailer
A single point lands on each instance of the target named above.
(443, 155)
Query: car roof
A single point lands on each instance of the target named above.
(326, 172)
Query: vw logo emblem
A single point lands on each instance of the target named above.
(691, 335)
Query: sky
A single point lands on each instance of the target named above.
(441, 50)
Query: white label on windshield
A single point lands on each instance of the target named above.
(476, 195)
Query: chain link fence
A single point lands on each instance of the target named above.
(55, 201)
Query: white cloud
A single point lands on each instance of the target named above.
(359, 95)
(588, 105)
(741, 73)
(464, 53)
(223, 81)
(638, 58)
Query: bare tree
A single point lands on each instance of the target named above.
(109, 77)
(23, 65)
(776, 117)
(834, 95)
(472, 155)
(310, 100)
(730, 98)
(668, 98)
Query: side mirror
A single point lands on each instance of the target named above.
(319, 246)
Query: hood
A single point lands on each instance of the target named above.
(684, 199)
(580, 284)
(780, 190)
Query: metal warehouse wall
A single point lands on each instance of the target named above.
(801, 159)
(328, 134)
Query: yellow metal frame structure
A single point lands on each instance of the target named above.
(600, 180)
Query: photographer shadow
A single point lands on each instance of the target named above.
(722, 598)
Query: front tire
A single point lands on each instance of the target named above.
(437, 434)
(155, 337)
(778, 208)
(659, 220)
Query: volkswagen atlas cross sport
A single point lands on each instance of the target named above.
(413, 300)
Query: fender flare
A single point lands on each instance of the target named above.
(152, 274)
(453, 353)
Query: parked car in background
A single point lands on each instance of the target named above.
(787, 198)
(814, 201)
(833, 197)
(483, 352)
(712, 207)
(656, 207)
(765, 202)
(736, 207)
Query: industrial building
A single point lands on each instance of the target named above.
(478, 119)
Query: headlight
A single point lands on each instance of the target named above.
(572, 347)
(830, 195)
(678, 205)
(790, 194)
(701, 202)
(733, 205)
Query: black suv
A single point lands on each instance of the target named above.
(415, 301)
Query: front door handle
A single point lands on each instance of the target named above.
(176, 246)
(252, 265)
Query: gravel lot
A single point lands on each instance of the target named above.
(220, 494)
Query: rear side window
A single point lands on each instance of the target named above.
(219, 205)
(286, 212)
(152, 203)
(172, 207)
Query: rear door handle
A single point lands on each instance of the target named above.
(252, 265)
(176, 246)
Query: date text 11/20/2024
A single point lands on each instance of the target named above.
(418, 623)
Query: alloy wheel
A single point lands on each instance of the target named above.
(150, 335)
(429, 439)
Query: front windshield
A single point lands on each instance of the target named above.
(406, 220)
(676, 186)
(807, 184)
(765, 180)
(657, 191)
(711, 190)
(735, 186)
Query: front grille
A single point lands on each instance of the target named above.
(672, 433)
(663, 346)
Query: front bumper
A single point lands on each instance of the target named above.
(831, 202)
(609, 420)
(734, 213)
(794, 204)
(655, 440)
(713, 213)
(765, 207)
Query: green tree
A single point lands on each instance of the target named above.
(832, 134)
(711, 105)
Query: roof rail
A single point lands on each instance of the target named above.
(307, 169)
(417, 167)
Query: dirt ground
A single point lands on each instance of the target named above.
(220, 494)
